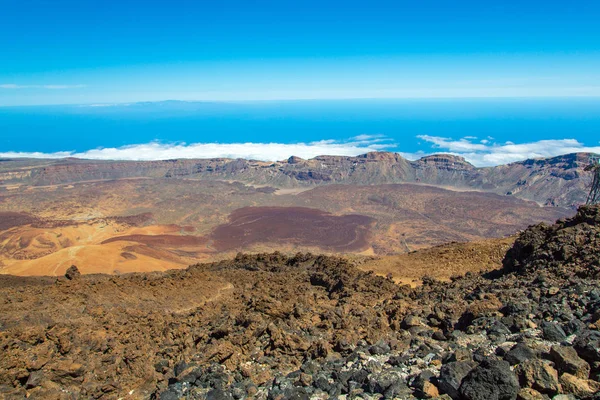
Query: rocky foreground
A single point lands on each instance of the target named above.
(314, 327)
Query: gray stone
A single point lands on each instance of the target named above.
(587, 346)
(218, 394)
(491, 380)
(451, 376)
(553, 332)
(519, 353)
(169, 395)
(34, 380)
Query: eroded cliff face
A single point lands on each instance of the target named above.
(558, 181)
(551, 181)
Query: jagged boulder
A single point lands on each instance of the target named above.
(538, 375)
(72, 273)
(567, 361)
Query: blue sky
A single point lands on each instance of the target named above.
(91, 52)
(72, 52)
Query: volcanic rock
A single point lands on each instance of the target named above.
(581, 388)
(519, 353)
(538, 375)
(530, 394)
(587, 346)
(72, 273)
(491, 380)
(451, 376)
(553, 332)
(567, 361)
(272, 326)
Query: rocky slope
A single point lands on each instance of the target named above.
(450, 259)
(554, 181)
(313, 327)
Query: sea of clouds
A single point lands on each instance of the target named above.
(479, 152)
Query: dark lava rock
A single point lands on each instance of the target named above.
(491, 380)
(574, 327)
(170, 394)
(72, 273)
(296, 394)
(451, 376)
(161, 366)
(191, 376)
(498, 328)
(322, 382)
(571, 242)
(397, 390)
(379, 348)
(553, 332)
(397, 360)
(218, 394)
(421, 379)
(381, 383)
(587, 346)
(519, 353)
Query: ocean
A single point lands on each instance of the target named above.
(79, 128)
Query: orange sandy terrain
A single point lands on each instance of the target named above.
(113, 246)
(138, 225)
(50, 251)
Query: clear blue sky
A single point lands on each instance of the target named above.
(87, 51)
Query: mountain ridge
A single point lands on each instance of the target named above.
(553, 181)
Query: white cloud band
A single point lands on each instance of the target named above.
(488, 153)
(481, 153)
(256, 151)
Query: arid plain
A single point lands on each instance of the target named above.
(159, 223)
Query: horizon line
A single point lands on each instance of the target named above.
(113, 104)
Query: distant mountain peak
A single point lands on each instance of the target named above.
(381, 156)
(294, 160)
(446, 161)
